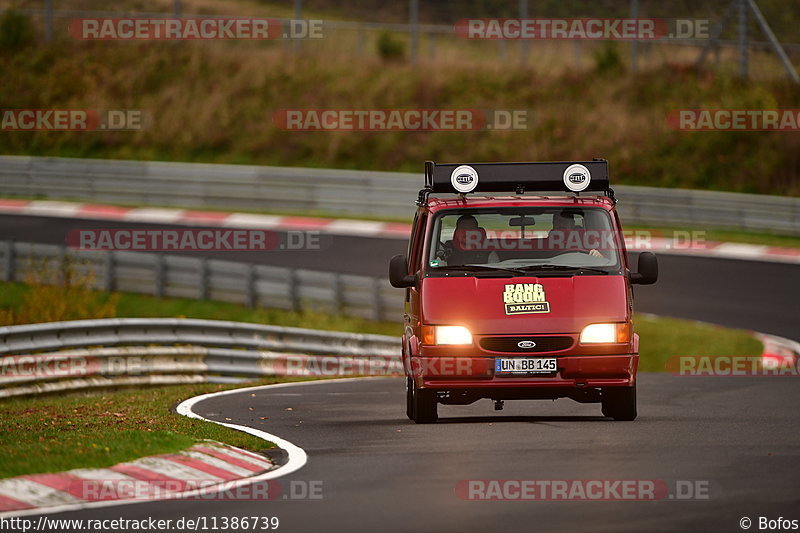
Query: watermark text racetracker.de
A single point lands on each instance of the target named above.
(194, 28)
(375, 120)
(73, 119)
(733, 366)
(584, 489)
(734, 119)
(579, 239)
(187, 489)
(582, 28)
(192, 239)
(59, 365)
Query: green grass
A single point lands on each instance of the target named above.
(100, 429)
(662, 338)
(13, 295)
(135, 305)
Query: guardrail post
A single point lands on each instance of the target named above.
(413, 21)
(338, 293)
(160, 267)
(48, 20)
(377, 301)
(203, 279)
(501, 49)
(362, 40)
(8, 260)
(108, 271)
(63, 266)
(250, 286)
(742, 38)
(523, 43)
(298, 15)
(634, 14)
(294, 290)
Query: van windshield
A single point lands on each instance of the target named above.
(525, 240)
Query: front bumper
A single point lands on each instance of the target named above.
(574, 372)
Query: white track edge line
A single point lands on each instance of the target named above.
(297, 456)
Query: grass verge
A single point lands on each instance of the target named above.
(101, 429)
(16, 296)
(662, 338)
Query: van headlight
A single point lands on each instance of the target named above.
(613, 333)
(446, 335)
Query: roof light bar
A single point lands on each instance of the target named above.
(565, 176)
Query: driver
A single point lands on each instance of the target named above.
(468, 242)
(468, 235)
(565, 231)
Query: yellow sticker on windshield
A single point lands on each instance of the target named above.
(522, 298)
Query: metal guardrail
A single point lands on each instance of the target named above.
(217, 333)
(177, 276)
(81, 354)
(346, 192)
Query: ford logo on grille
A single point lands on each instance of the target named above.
(526, 344)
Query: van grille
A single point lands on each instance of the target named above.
(511, 344)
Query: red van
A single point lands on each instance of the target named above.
(523, 291)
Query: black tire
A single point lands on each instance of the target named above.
(424, 408)
(619, 403)
(410, 398)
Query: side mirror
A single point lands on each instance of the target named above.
(398, 273)
(648, 269)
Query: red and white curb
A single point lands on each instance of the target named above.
(778, 352)
(186, 217)
(203, 470)
(210, 465)
(351, 227)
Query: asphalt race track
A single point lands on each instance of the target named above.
(381, 472)
(744, 294)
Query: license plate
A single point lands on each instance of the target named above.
(525, 365)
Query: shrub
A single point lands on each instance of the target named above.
(57, 293)
(16, 31)
(608, 59)
(391, 48)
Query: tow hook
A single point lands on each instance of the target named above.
(498, 405)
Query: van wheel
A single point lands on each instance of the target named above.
(619, 403)
(410, 398)
(422, 404)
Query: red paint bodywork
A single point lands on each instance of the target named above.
(476, 302)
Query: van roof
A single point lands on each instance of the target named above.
(438, 204)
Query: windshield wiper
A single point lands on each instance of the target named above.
(529, 268)
(479, 268)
